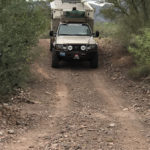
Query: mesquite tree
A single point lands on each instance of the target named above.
(133, 17)
(133, 13)
(21, 23)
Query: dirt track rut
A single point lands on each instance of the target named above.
(85, 112)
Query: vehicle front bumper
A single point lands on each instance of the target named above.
(76, 55)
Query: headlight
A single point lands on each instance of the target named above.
(83, 47)
(59, 46)
(70, 48)
(92, 46)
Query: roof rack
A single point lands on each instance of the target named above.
(73, 20)
(71, 1)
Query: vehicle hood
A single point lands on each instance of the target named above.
(75, 40)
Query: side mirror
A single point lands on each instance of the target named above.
(97, 34)
(51, 33)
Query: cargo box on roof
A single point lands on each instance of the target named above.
(71, 11)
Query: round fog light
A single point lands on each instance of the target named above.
(83, 48)
(70, 48)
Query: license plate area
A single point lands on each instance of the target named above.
(62, 54)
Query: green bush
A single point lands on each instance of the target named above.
(21, 23)
(106, 29)
(139, 72)
(140, 49)
(129, 15)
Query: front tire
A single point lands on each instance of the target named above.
(55, 60)
(51, 46)
(94, 61)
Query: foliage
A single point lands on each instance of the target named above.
(133, 18)
(131, 15)
(106, 29)
(21, 23)
(139, 72)
(140, 49)
(129, 8)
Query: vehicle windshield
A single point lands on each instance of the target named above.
(74, 29)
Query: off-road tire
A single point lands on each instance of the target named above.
(94, 61)
(55, 60)
(51, 47)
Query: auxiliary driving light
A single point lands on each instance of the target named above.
(83, 48)
(70, 48)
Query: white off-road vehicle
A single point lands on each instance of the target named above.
(72, 36)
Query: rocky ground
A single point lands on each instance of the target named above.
(78, 108)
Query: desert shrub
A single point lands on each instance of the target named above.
(140, 49)
(133, 19)
(129, 15)
(21, 23)
(139, 72)
(106, 29)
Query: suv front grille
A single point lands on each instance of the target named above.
(76, 47)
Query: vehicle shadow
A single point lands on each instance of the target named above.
(75, 65)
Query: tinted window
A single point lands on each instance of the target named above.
(74, 29)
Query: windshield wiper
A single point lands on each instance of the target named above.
(81, 34)
(76, 34)
(64, 34)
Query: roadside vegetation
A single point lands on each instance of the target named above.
(107, 29)
(133, 30)
(21, 24)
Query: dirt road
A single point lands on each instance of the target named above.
(79, 109)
